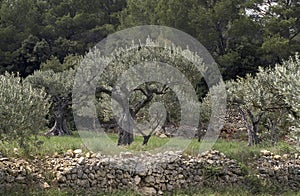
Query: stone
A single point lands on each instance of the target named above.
(69, 153)
(20, 178)
(88, 155)
(3, 159)
(126, 154)
(81, 160)
(285, 156)
(78, 151)
(210, 161)
(61, 178)
(277, 157)
(45, 185)
(163, 136)
(110, 176)
(150, 179)
(149, 191)
(170, 187)
(265, 153)
(56, 155)
(137, 180)
(151, 173)
(16, 151)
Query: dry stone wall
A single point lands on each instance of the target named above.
(282, 170)
(147, 173)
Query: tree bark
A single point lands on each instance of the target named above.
(254, 122)
(125, 130)
(146, 139)
(59, 127)
(125, 137)
(252, 129)
(129, 112)
(249, 131)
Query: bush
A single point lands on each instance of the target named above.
(22, 110)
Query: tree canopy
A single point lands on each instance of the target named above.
(241, 35)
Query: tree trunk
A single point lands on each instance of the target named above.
(59, 127)
(254, 133)
(255, 126)
(146, 139)
(125, 137)
(125, 130)
(249, 131)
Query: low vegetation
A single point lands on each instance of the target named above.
(238, 150)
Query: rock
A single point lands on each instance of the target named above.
(45, 185)
(265, 153)
(88, 155)
(277, 157)
(55, 155)
(126, 154)
(20, 178)
(163, 136)
(285, 156)
(61, 178)
(81, 160)
(78, 151)
(296, 155)
(69, 153)
(16, 151)
(149, 191)
(3, 159)
(137, 180)
(94, 155)
(110, 176)
(210, 161)
(150, 179)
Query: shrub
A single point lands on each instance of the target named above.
(22, 110)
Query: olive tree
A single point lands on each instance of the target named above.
(22, 109)
(286, 82)
(253, 100)
(143, 95)
(270, 97)
(59, 88)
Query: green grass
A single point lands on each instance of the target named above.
(238, 150)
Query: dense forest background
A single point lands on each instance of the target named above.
(240, 34)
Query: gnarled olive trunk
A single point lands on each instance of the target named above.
(60, 125)
(125, 130)
(252, 129)
(125, 137)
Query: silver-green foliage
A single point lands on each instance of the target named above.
(123, 59)
(286, 81)
(269, 97)
(22, 109)
(58, 86)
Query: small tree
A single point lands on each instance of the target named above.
(272, 95)
(253, 100)
(59, 87)
(287, 84)
(22, 110)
